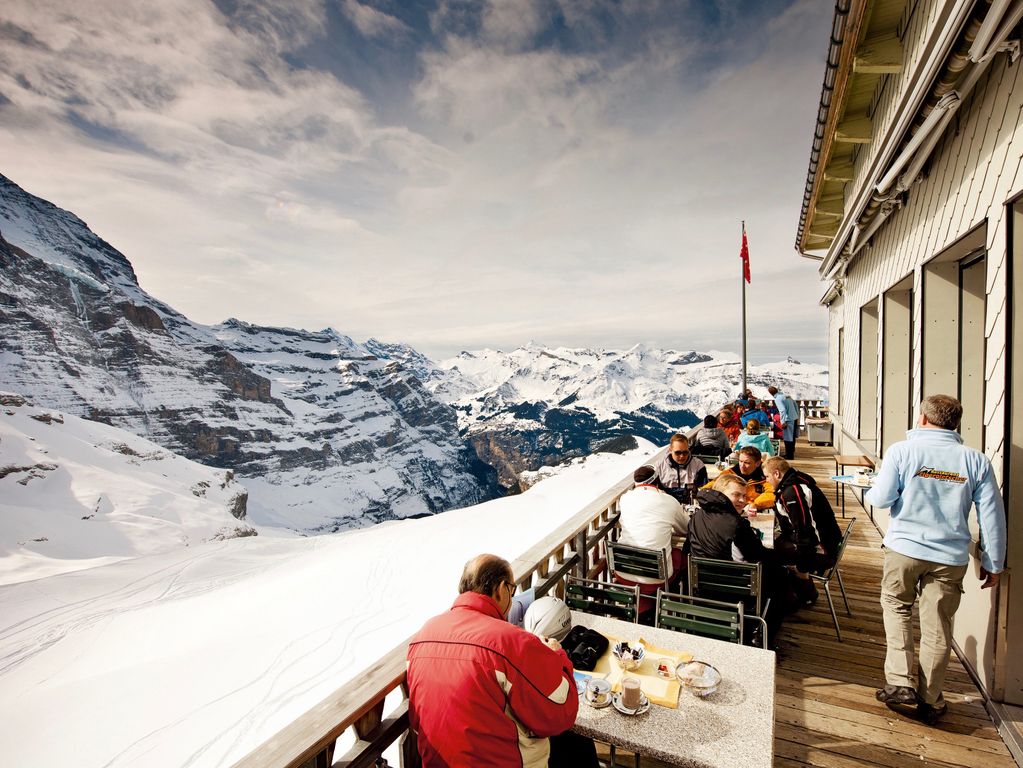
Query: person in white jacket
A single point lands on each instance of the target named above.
(930, 481)
(649, 519)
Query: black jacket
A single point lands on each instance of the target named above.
(805, 525)
(715, 527)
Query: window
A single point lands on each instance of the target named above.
(868, 374)
(954, 305)
(896, 385)
(836, 404)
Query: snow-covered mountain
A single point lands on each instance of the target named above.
(77, 494)
(325, 432)
(537, 405)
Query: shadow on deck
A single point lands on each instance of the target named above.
(825, 711)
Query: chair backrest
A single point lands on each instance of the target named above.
(602, 598)
(826, 576)
(726, 580)
(776, 445)
(697, 616)
(710, 459)
(637, 561)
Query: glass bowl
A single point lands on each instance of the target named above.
(628, 655)
(699, 677)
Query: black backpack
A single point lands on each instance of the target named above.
(584, 647)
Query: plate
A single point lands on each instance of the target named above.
(644, 704)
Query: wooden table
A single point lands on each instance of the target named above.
(713, 471)
(841, 462)
(733, 727)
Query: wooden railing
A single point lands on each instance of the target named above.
(578, 547)
(812, 409)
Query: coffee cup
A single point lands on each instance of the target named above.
(630, 692)
(598, 692)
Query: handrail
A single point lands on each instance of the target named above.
(308, 742)
(579, 544)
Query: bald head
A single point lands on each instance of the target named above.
(485, 574)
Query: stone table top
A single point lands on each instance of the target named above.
(732, 727)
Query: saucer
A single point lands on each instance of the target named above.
(644, 705)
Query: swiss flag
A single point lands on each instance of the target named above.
(744, 255)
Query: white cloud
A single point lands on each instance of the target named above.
(583, 197)
(372, 22)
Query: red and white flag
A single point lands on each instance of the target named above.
(744, 255)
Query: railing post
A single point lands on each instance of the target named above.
(408, 744)
(581, 567)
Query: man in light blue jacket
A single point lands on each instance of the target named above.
(930, 481)
(789, 413)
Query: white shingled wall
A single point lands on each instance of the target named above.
(973, 174)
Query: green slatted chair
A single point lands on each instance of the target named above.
(637, 561)
(602, 598)
(630, 561)
(725, 581)
(697, 616)
(709, 459)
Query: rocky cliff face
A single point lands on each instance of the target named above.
(325, 432)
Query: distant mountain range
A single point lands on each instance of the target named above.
(326, 433)
(537, 405)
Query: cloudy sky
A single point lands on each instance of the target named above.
(448, 173)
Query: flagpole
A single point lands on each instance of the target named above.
(742, 280)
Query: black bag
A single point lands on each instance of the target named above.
(584, 647)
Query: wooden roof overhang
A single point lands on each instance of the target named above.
(865, 47)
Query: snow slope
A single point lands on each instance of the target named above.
(75, 494)
(194, 657)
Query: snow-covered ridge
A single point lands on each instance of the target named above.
(326, 433)
(536, 406)
(75, 494)
(608, 382)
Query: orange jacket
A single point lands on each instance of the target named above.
(759, 493)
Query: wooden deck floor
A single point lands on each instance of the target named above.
(825, 711)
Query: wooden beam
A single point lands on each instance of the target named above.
(831, 206)
(826, 228)
(840, 171)
(817, 242)
(879, 55)
(854, 129)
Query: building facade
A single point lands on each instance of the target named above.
(914, 212)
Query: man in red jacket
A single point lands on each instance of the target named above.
(483, 692)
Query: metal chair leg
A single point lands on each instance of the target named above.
(841, 586)
(834, 616)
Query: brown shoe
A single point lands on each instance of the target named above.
(896, 694)
(931, 713)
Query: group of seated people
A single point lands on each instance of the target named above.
(748, 421)
(675, 498)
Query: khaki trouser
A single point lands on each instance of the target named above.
(939, 588)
